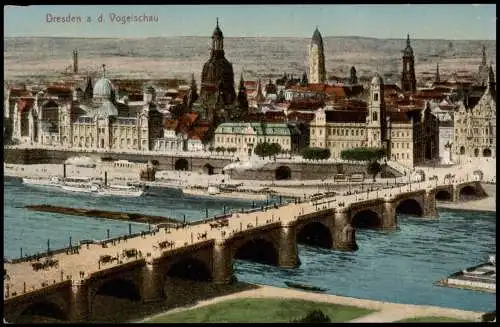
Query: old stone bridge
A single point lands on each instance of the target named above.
(270, 236)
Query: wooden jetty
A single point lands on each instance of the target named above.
(115, 215)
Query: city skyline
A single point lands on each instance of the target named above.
(371, 21)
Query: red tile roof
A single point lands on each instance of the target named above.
(25, 104)
(398, 116)
(170, 124)
(250, 84)
(56, 89)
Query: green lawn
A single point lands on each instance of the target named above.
(261, 310)
(434, 319)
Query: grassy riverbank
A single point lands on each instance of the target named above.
(434, 319)
(260, 310)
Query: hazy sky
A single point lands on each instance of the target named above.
(456, 22)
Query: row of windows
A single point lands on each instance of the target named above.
(402, 145)
(340, 132)
(401, 156)
(398, 134)
(229, 139)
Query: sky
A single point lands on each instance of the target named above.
(445, 21)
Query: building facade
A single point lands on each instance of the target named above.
(317, 71)
(101, 122)
(246, 136)
(475, 128)
(410, 137)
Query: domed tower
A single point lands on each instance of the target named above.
(217, 75)
(375, 120)
(317, 72)
(408, 80)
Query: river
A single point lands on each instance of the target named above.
(395, 266)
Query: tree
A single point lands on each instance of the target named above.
(372, 155)
(267, 149)
(374, 168)
(313, 153)
(363, 154)
(211, 148)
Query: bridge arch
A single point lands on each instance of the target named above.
(43, 308)
(315, 234)
(208, 169)
(443, 195)
(121, 288)
(190, 269)
(258, 250)
(468, 192)
(282, 173)
(181, 164)
(410, 207)
(366, 219)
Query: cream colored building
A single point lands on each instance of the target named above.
(245, 136)
(475, 128)
(97, 122)
(404, 134)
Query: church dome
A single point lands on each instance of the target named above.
(107, 109)
(377, 80)
(103, 89)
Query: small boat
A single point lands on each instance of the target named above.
(492, 259)
(53, 181)
(305, 287)
(82, 188)
(120, 190)
(212, 190)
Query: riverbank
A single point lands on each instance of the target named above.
(385, 311)
(485, 204)
(232, 195)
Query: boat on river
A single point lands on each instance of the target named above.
(51, 182)
(305, 287)
(120, 190)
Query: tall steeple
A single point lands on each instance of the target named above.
(408, 80)
(317, 71)
(483, 61)
(438, 78)
(75, 61)
(217, 38)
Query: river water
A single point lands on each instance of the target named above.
(397, 266)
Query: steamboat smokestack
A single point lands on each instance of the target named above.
(64, 170)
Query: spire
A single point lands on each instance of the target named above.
(217, 21)
(483, 62)
(491, 85)
(408, 40)
(438, 79)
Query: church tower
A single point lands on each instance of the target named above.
(217, 77)
(408, 80)
(483, 70)
(317, 72)
(375, 120)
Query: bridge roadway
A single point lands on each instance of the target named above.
(23, 279)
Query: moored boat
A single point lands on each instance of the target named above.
(120, 190)
(305, 287)
(53, 181)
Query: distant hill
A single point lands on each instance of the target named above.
(266, 57)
